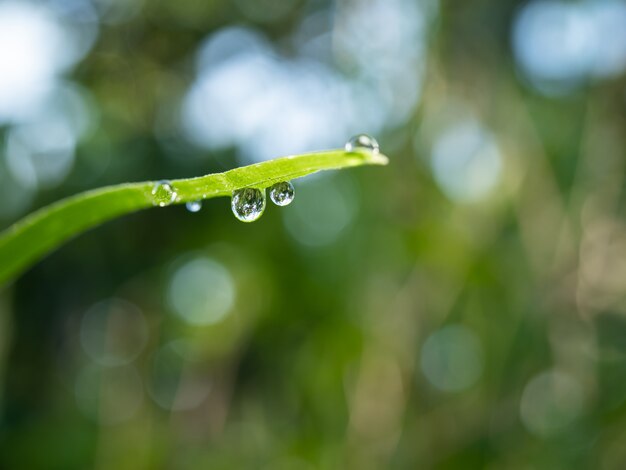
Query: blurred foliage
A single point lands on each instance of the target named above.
(458, 309)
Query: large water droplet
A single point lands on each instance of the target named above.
(163, 194)
(248, 204)
(362, 142)
(282, 193)
(194, 206)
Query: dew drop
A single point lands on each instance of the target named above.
(248, 204)
(194, 206)
(163, 194)
(362, 142)
(282, 193)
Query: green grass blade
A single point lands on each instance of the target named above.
(31, 238)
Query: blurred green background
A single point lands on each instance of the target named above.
(464, 307)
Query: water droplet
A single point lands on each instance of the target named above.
(248, 204)
(163, 194)
(282, 193)
(194, 206)
(362, 142)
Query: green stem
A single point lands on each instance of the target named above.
(31, 238)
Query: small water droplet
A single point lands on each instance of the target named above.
(194, 206)
(163, 194)
(282, 193)
(362, 142)
(248, 204)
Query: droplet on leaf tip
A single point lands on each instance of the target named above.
(362, 142)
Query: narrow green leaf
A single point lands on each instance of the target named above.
(31, 238)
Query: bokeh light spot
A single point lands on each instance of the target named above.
(452, 358)
(113, 332)
(36, 47)
(201, 291)
(325, 208)
(466, 161)
(551, 401)
(173, 385)
(109, 396)
(558, 45)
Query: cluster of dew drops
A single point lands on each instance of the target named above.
(248, 204)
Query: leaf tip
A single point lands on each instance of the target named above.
(381, 159)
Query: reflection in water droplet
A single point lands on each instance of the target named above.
(248, 204)
(194, 206)
(282, 193)
(362, 142)
(163, 194)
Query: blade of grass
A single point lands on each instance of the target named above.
(31, 238)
